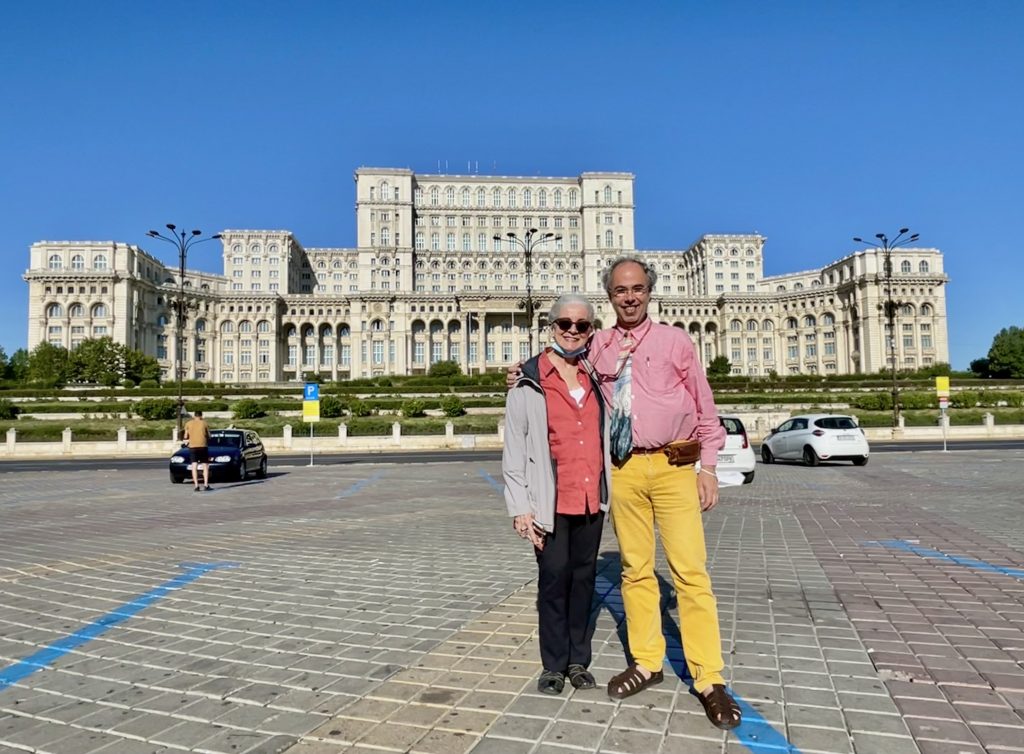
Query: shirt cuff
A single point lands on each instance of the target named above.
(708, 457)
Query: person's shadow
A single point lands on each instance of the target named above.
(608, 596)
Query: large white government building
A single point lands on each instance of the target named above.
(427, 281)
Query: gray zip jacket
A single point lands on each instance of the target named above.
(526, 462)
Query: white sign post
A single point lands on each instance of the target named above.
(311, 411)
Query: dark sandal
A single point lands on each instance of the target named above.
(580, 677)
(721, 708)
(551, 682)
(630, 681)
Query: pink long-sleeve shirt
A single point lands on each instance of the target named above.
(671, 396)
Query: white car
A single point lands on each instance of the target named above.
(737, 455)
(815, 438)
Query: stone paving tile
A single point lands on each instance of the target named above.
(344, 612)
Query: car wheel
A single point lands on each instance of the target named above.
(810, 457)
(748, 476)
(862, 461)
(262, 472)
(175, 479)
(242, 471)
(766, 455)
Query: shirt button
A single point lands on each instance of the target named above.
(581, 442)
(586, 479)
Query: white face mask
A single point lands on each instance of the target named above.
(569, 354)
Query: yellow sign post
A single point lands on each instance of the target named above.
(942, 391)
(311, 411)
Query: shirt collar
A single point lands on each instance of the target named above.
(638, 332)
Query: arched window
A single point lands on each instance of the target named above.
(78, 262)
(481, 197)
(76, 311)
(417, 196)
(263, 326)
(377, 325)
(307, 331)
(767, 325)
(923, 266)
(56, 263)
(161, 321)
(421, 242)
(828, 320)
(558, 198)
(464, 197)
(542, 198)
(905, 266)
(385, 191)
(245, 326)
(791, 323)
(434, 196)
(926, 310)
(344, 331)
(735, 325)
(99, 311)
(385, 237)
(511, 196)
(290, 331)
(780, 288)
(55, 310)
(607, 194)
(573, 198)
(326, 332)
(496, 197)
(449, 196)
(798, 287)
(200, 325)
(99, 262)
(527, 198)
(809, 321)
(751, 324)
(227, 326)
(907, 310)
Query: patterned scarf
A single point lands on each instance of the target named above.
(622, 402)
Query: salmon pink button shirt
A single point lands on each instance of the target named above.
(671, 396)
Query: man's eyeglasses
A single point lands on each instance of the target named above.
(636, 290)
(581, 327)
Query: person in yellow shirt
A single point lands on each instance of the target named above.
(197, 435)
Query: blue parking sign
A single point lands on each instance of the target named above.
(312, 392)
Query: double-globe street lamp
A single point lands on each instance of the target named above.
(530, 241)
(182, 241)
(886, 246)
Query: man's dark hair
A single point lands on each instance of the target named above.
(198, 414)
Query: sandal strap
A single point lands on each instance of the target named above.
(721, 708)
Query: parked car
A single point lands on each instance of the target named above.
(815, 438)
(737, 455)
(234, 454)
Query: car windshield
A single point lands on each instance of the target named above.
(732, 426)
(226, 439)
(836, 422)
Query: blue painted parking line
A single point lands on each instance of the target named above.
(755, 733)
(349, 492)
(927, 552)
(495, 484)
(50, 654)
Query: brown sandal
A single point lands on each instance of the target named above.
(721, 708)
(630, 681)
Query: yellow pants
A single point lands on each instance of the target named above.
(645, 490)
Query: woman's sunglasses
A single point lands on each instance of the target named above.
(564, 324)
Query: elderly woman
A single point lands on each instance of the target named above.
(557, 473)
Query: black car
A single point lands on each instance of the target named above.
(234, 454)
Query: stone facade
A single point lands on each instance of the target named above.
(428, 281)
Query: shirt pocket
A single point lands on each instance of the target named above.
(661, 376)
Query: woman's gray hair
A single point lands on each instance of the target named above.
(567, 299)
(606, 274)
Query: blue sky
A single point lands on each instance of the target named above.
(808, 122)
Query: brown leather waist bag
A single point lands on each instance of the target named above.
(683, 452)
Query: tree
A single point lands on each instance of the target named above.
(980, 367)
(98, 360)
(139, 367)
(444, 369)
(49, 364)
(17, 366)
(719, 367)
(1006, 356)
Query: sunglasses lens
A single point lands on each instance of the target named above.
(582, 327)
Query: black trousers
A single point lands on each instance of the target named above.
(565, 589)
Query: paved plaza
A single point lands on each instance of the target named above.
(390, 608)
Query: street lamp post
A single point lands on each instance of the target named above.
(530, 240)
(182, 241)
(886, 246)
